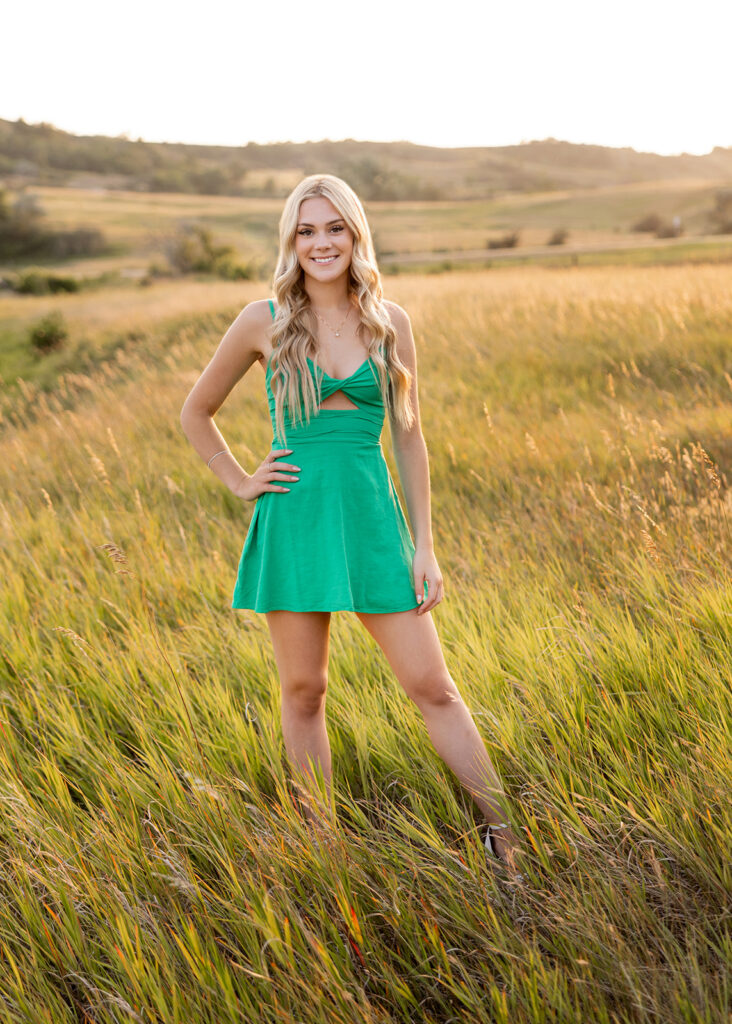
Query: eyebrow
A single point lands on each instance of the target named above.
(304, 224)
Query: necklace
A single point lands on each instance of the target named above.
(336, 331)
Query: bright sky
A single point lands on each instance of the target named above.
(649, 74)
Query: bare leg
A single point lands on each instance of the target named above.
(412, 648)
(300, 641)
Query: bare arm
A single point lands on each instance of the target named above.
(410, 450)
(239, 348)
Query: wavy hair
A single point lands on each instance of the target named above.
(292, 336)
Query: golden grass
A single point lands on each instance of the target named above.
(133, 307)
(578, 424)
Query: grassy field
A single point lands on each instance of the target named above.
(579, 424)
(120, 304)
(136, 224)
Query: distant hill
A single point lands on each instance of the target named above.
(44, 155)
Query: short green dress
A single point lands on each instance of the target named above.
(338, 540)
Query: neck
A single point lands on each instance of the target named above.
(328, 296)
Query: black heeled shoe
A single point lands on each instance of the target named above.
(491, 849)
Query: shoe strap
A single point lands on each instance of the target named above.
(489, 835)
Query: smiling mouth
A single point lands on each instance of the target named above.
(324, 259)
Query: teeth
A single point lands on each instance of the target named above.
(324, 259)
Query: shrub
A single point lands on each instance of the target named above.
(375, 180)
(669, 229)
(49, 333)
(721, 215)
(509, 241)
(41, 282)
(193, 250)
(650, 223)
(558, 237)
(23, 233)
(31, 282)
(76, 242)
(239, 271)
(155, 269)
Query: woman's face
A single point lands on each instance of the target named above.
(323, 240)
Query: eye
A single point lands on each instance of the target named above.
(338, 227)
(303, 231)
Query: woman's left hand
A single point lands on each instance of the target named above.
(425, 567)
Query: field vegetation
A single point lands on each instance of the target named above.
(155, 865)
(41, 154)
(133, 236)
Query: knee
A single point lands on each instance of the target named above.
(304, 695)
(436, 689)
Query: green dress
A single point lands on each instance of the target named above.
(338, 539)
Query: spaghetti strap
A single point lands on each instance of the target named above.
(271, 306)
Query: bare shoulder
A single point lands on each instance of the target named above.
(399, 317)
(405, 339)
(250, 331)
(254, 317)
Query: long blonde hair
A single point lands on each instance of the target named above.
(291, 335)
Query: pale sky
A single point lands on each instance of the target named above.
(649, 74)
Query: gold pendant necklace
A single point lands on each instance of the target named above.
(340, 325)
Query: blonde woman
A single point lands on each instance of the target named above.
(327, 532)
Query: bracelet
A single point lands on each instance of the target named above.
(214, 456)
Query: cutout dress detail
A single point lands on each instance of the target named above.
(338, 540)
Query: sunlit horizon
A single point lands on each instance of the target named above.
(133, 137)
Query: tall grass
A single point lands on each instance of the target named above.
(155, 867)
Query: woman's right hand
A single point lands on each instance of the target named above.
(269, 469)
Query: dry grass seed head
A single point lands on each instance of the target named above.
(118, 556)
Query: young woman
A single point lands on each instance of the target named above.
(328, 532)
